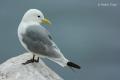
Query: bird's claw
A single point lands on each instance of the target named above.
(31, 60)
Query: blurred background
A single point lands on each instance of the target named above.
(86, 31)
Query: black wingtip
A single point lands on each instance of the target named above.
(71, 64)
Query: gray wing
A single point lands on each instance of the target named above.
(39, 40)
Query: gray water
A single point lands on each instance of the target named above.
(86, 33)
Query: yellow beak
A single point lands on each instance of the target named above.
(45, 21)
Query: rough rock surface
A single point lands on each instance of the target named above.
(13, 69)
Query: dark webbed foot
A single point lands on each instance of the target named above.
(28, 61)
(31, 60)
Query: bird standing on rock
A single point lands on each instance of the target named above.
(38, 41)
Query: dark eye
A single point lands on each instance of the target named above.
(38, 16)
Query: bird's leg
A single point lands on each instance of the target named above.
(37, 60)
(33, 59)
(30, 61)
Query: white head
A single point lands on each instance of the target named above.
(34, 15)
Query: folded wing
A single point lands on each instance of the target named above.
(39, 40)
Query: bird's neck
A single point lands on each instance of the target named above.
(29, 23)
(24, 25)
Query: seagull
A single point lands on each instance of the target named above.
(36, 39)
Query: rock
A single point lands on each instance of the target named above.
(13, 69)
